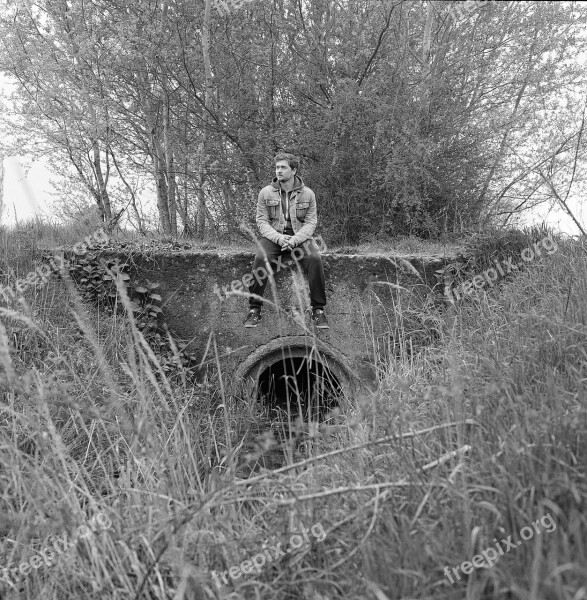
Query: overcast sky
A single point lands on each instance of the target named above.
(25, 193)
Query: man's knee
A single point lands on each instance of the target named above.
(266, 243)
(266, 251)
(311, 251)
(310, 247)
(298, 253)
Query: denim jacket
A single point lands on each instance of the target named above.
(302, 211)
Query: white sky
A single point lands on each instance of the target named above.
(26, 194)
(558, 219)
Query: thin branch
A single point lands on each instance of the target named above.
(577, 150)
(379, 42)
(562, 202)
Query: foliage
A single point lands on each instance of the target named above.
(100, 279)
(482, 250)
(411, 118)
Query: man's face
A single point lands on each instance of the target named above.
(283, 171)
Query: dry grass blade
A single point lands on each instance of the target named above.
(395, 286)
(408, 266)
(5, 358)
(17, 316)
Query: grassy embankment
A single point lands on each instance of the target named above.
(89, 427)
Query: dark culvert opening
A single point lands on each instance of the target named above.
(299, 386)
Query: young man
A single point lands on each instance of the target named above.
(286, 218)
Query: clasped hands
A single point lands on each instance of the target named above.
(286, 245)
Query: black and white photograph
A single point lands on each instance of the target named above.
(293, 300)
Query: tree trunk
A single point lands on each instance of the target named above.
(427, 64)
(162, 189)
(133, 199)
(158, 158)
(104, 201)
(207, 96)
(182, 184)
(171, 193)
(170, 169)
(184, 204)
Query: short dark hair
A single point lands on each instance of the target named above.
(292, 160)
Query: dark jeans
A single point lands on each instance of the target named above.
(307, 254)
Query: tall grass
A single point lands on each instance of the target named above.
(90, 425)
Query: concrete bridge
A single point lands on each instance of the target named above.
(374, 303)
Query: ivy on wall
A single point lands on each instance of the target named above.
(95, 277)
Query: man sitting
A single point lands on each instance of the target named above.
(286, 218)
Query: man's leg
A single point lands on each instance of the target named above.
(311, 262)
(267, 251)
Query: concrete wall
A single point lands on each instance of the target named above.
(366, 294)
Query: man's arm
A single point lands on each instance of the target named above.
(264, 223)
(310, 222)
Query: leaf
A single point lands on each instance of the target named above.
(155, 297)
(141, 290)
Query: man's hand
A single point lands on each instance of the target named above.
(286, 243)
